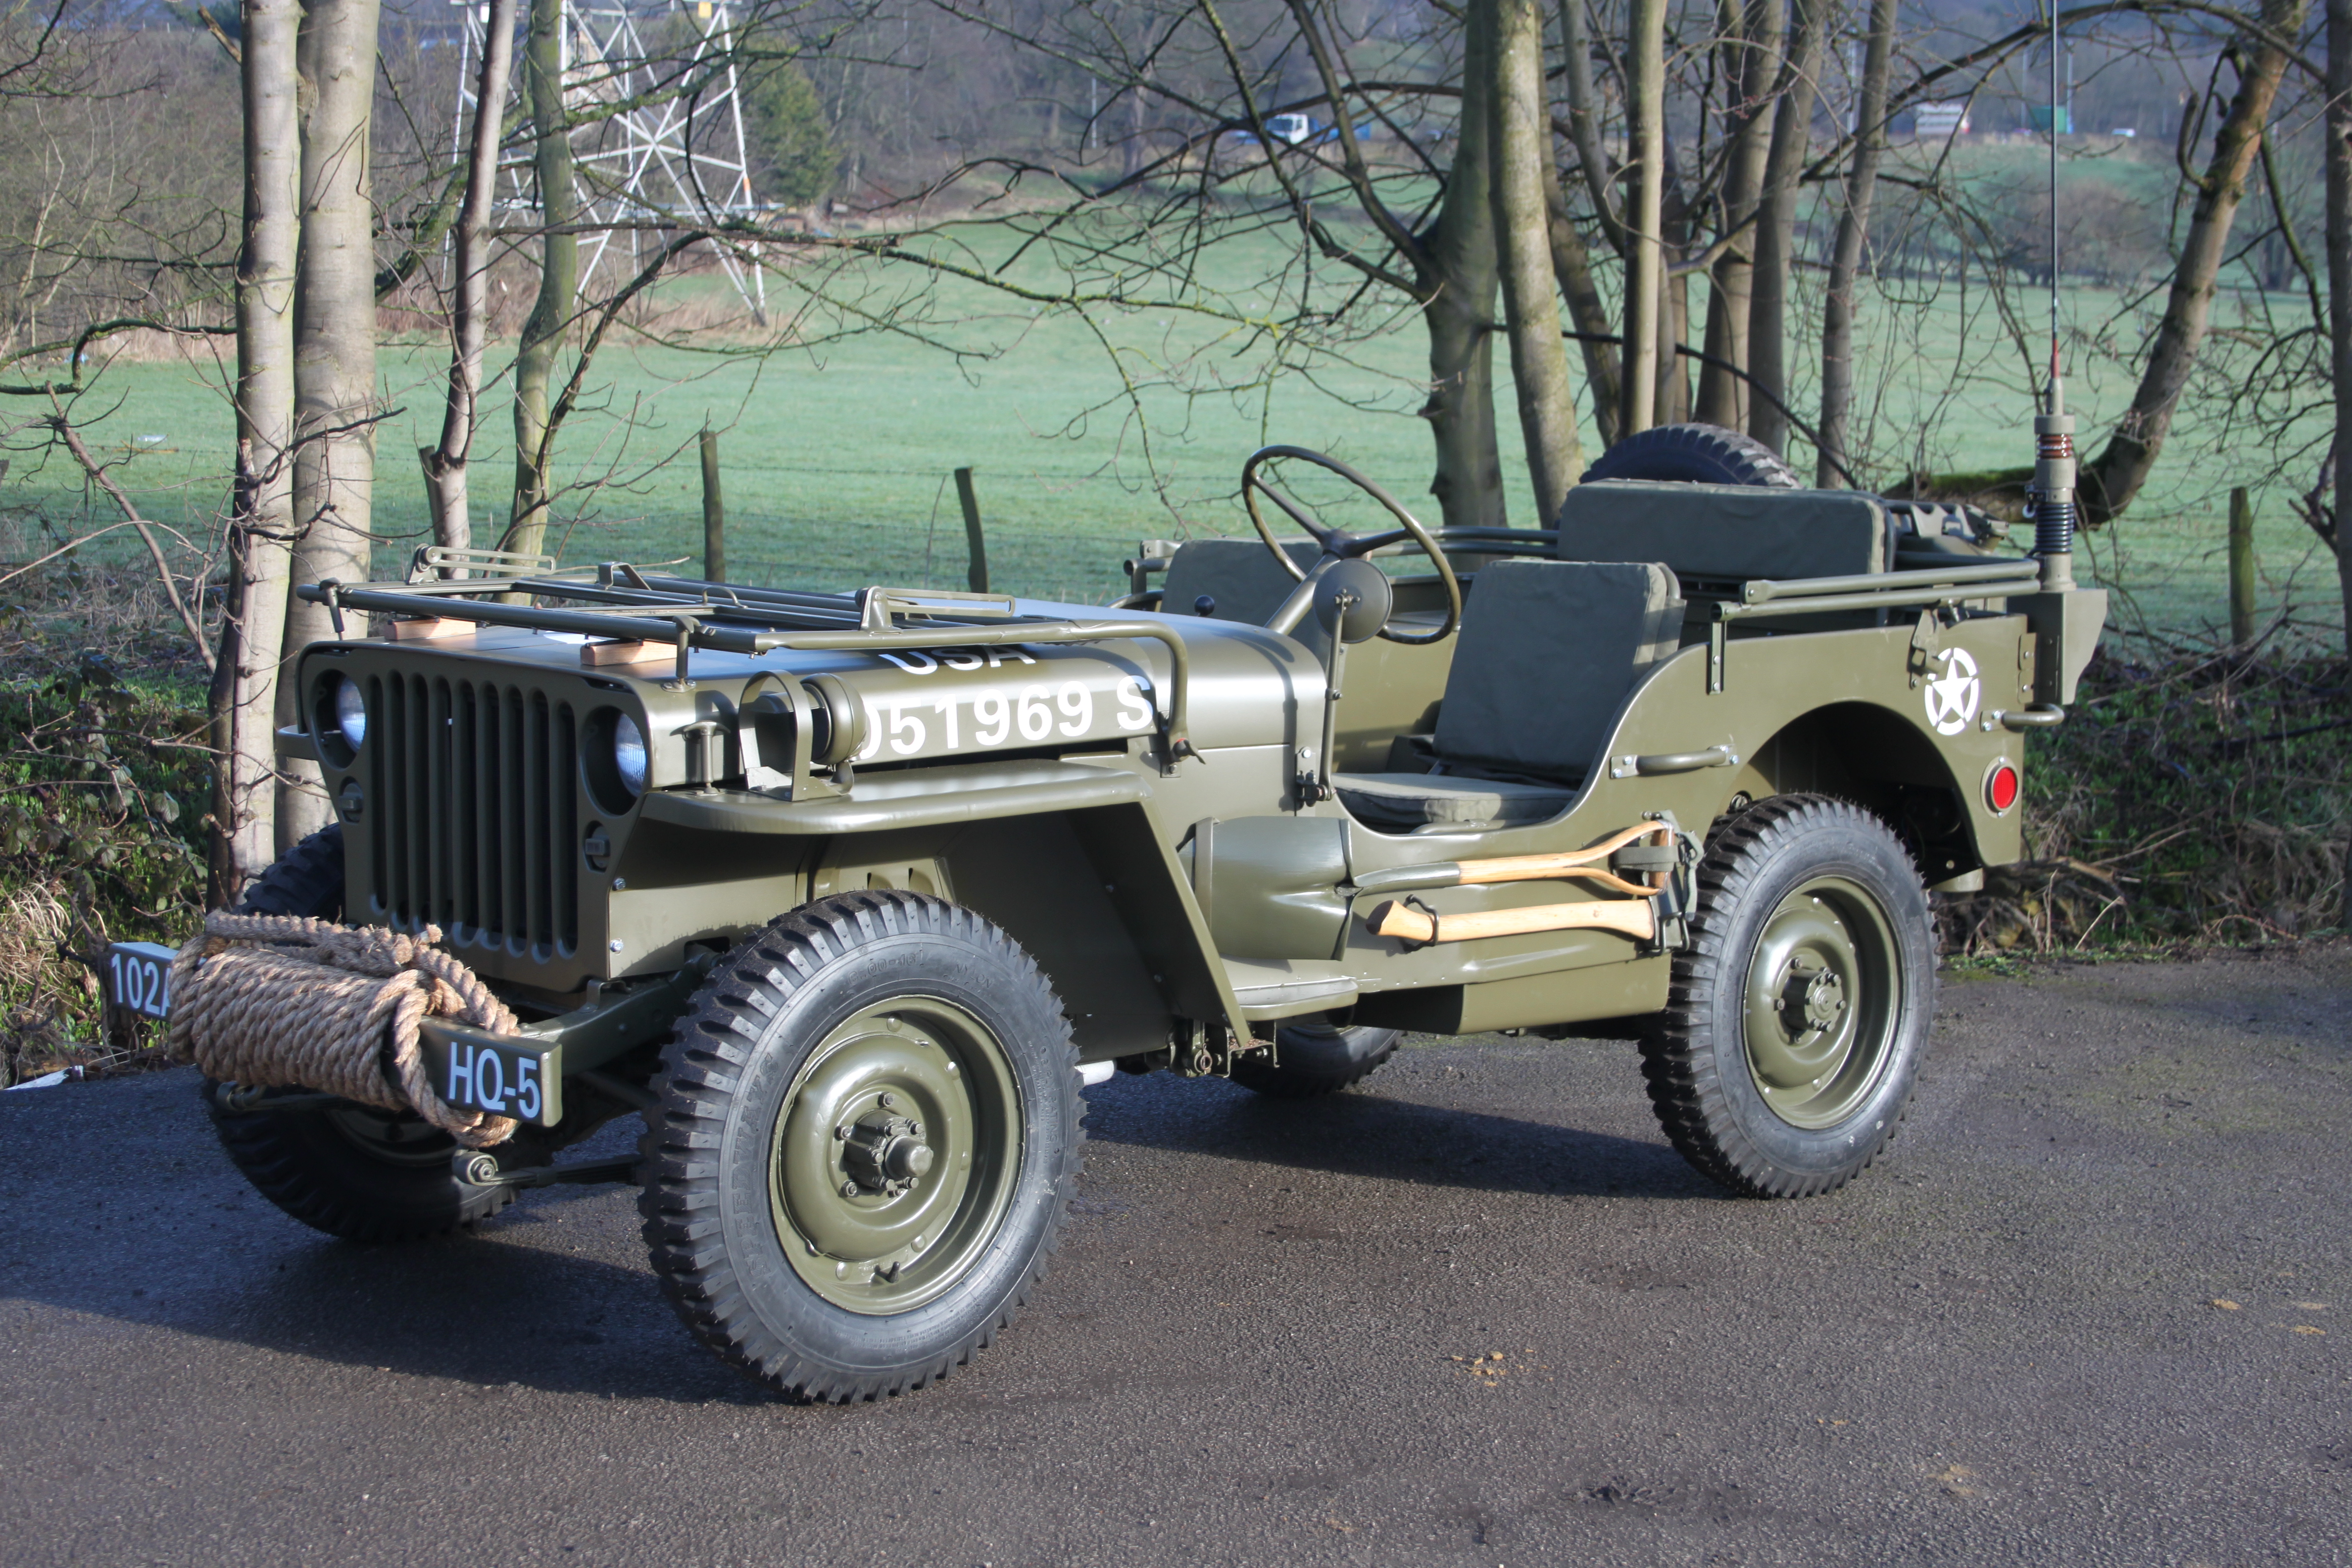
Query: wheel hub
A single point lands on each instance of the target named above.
(1819, 1007)
(885, 1154)
(893, 1155)
(1812, 997)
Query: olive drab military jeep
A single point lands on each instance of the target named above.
(849, 894)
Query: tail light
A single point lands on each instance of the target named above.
(2002, 787)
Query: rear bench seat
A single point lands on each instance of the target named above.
(1716, 537)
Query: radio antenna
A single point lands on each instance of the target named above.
(2052, 499)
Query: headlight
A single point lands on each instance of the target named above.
(350, 710)
(629, 753)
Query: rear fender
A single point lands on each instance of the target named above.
(1881, 761)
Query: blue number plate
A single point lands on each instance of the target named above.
(139, 978)
(505, 1075)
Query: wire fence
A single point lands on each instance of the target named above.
(801, 521)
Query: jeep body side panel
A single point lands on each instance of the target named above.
(1839, 712)
(1024, 781)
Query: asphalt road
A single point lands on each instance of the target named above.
(2096, 1308)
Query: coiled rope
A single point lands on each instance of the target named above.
(287, 1001)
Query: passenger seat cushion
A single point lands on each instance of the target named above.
(1400, 803)
(1547, 653)
(1726, 531)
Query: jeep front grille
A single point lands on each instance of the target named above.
(476, 813)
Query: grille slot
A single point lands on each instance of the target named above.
(477, 817)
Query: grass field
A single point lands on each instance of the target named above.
(835, 460)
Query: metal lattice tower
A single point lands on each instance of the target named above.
(672, 157)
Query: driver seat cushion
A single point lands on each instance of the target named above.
(1548, 653)
(1241, 574)
(1401, 802)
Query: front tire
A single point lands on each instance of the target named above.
(1314, 1057)
(1798, 1015)
(353, 1170)
(867, 1139)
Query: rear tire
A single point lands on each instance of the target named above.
(353, 1172)
(867, 1139)
(1694, 454)
(1797, 1016)
(1316, 1058)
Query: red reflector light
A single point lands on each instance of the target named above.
(2000, 787)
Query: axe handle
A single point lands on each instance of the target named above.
(1631, 918)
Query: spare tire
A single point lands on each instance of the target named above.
(1694, 454)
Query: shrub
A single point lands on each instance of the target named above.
(2196, 796)
(103, 785)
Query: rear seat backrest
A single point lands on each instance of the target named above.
(1726, 531)
(1547, 651)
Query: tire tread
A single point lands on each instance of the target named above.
(682, 1172)
(1694, 453)
(1680, 1071)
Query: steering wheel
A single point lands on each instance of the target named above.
(1338, 543)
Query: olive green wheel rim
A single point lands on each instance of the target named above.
(1823, 996)
(894, 1157)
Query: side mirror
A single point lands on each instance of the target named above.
(1353, 599)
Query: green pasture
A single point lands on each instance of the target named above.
(836, 455)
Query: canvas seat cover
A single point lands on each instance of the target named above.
(1241, 574)
(1546, 655)
(1727, 531)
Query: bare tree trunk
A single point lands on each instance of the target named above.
(1645, 150)
(2339, 283)
(1584, 121)
(559, 276)
(1460, 284)
(1519, 128)
(1756, 38)
(469, 305)
(1854, 231)
(1776, 223)
(245, 803)
(224, 878)
(2111, 480)
(1571, 266)
(1570, 258)
(1673, 404)
(335, 351)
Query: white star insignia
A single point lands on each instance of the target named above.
(1952, 696)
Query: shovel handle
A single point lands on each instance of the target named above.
(1585, 863)
(1633, 918)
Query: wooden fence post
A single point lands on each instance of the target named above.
(714, 512)
(977, 574)
(2242, 568)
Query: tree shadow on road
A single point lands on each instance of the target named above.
(1372, 1131)
(491, 1311)
(176, 1240)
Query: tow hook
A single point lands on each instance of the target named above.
(479, 1168)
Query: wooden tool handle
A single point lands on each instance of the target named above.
(1575, 862)
(1631, 916)
(1613, 882)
